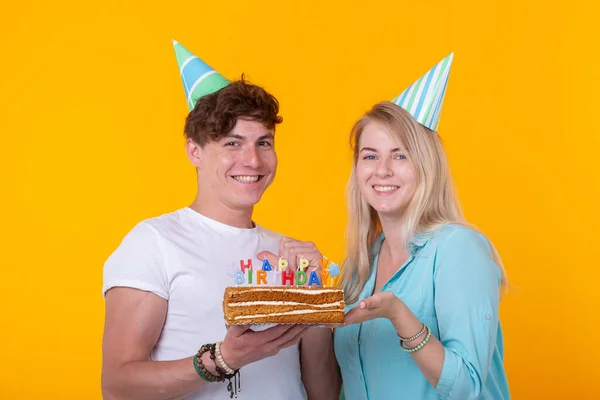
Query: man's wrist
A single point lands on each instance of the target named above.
(228, 357)
(209, 364)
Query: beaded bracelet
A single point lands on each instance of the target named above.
(412, 337)
(201, 368)
(419, 346)
(198, 370)
(233, 387)
(222, 363)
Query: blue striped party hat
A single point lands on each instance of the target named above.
(423, 99)
(199, 78)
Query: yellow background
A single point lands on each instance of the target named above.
(92, 110)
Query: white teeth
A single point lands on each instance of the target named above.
(385, 188)
(246, 179)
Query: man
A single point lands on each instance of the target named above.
(164, 284)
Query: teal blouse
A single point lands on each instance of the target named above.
(451, 283)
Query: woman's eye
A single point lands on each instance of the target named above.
(400, 157)
(369, 157)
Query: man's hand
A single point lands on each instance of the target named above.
(243, 346)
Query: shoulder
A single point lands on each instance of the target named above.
(165, 223)
(149, 232)
(268, 234)
(462, 251)
(459, 238)
(164, 228)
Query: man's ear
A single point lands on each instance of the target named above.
(194, 152)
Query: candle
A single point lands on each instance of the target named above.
(261, 276)
(313, 279)
(238, 278)
(287, 276)
(282, 264)
(324, 263)
(303, 264)
(301, 278)
(334, 270)
(266, 266)
(247, 265)
(324, 275)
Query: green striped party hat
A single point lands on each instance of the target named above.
(423, 99)
(199, 79)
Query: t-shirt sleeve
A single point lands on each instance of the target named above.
(138, 263)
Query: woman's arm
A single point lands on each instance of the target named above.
(467, 296)
(467, 287)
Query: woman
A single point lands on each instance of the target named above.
(422, 287)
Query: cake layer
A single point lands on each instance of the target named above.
(283, 293)
(283, 304)
(329, 317)
(279, 307)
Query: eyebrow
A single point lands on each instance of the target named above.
(375, 150)
(240, 137)
(267, 136)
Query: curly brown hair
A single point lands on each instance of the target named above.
(216, 114)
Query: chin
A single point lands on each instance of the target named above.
(247, 201)
(383, 210)
(387, 209)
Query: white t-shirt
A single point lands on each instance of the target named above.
(189, 259)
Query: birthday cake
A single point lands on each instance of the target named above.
(281, 296)
(283, 304)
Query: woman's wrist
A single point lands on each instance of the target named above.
(405, 322)
(397, 313)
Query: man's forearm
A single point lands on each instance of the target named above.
(320, 372)
(153, 380)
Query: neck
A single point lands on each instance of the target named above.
(239, 218)
(395, 244)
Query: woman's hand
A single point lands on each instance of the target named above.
(380, 305)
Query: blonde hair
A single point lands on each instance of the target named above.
(433, 205)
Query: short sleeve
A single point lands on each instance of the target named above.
(138, 263)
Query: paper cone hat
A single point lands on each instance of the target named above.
(199, 79)
(423, 99)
